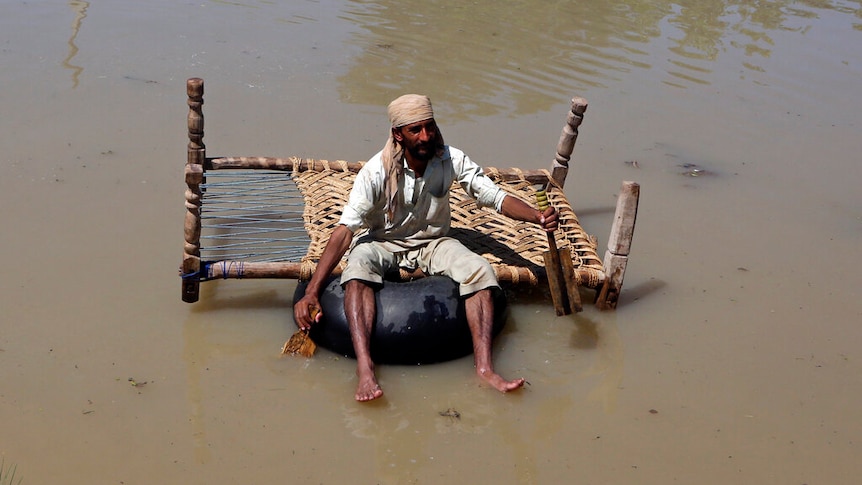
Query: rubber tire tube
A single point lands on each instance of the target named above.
(418, 322)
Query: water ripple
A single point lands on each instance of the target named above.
(512, 58)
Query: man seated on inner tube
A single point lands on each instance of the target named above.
(401, 196)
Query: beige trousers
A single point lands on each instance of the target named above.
(369, 261)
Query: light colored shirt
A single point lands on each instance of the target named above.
(424, 214)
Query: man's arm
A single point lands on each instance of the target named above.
(337, 245)
(517, 209)
(487, 193)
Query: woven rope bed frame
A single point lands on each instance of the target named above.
(515, 249)
(264, 217)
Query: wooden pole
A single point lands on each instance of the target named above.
(619, 244)
(556, 282)
(568, 137)
(570, 276)
(560, 271)
(295, 270)
(296, 164)
(194, 174)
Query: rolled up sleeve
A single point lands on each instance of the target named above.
(474, 181)
(361, 201)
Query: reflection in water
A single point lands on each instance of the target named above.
(591, 331)
(404, 438)
(200, 347)
(196, 357)
(562, 47)
(608, 363)
(80, 8)
(406, 435)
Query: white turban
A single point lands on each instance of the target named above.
(410, 108)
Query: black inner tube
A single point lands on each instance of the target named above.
(418, 322)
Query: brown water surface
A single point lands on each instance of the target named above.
(734, 356)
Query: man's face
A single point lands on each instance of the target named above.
(418, 139)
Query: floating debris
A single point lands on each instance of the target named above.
(140, 80)
(137, 383)
(451, 413)
(693, 170)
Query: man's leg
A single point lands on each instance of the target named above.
(360, 308)
(480, 318)
(449, 257)
(366, 264)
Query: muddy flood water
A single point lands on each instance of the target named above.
(735, 355)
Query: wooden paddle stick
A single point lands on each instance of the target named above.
(560, 270)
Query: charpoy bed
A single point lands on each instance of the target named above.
(268, 217)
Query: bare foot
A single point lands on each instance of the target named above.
(368, 391)
(497, 381)
(368, 388)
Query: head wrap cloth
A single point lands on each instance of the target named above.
(405, 110)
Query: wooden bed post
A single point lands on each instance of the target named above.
(560, 167)
(619, 244)
(194, 173)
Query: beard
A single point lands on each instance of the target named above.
(423, 152)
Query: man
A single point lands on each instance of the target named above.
(401, 196)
